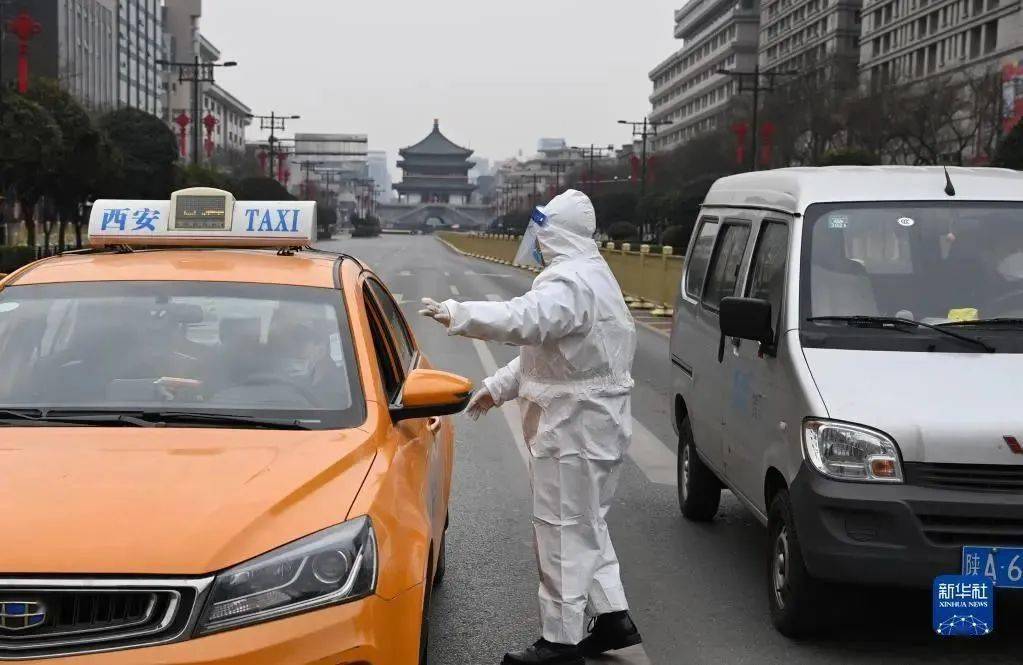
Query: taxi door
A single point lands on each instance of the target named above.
(419, 458)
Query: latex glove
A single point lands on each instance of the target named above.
(481, 402)
(436, 311)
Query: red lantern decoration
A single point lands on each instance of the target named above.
(24, 27)
(183, 121)
(262, 157)
(210, 122)
(287, 177)
(651, 165)
(281, 158)
(635, 164)
(740, 129)
(767, 131)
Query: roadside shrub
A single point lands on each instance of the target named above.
(677, 236)
(622, 232)
(12, 258)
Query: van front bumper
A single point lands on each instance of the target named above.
(371, 631)
(905, 535)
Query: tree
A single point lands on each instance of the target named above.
(1010, 152)
(198, 175)
(85, 165)
(848, 157)
(622, 231)
(614, 207)
(30, 150)
(150, 153)
(262, 189)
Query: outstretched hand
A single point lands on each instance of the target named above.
(436, 311)
(481, 402)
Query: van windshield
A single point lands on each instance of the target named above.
(215, 353)
(943, 263)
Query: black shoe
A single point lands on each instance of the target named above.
(546, 653)
(610, 632)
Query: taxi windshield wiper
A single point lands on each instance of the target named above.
(181, 417)
(42, 417)
(893, 322)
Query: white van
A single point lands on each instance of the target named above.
(847, 354)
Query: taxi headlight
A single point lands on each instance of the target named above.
(333, 566)
(851, 452)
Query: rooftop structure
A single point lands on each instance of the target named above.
(436, 170)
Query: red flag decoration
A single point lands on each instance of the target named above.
(767, 131)
(740, 129)
(183, 121)
(24, 27)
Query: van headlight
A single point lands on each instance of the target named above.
(850, 452)
(333, 566)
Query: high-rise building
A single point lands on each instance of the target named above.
(77, 47)
(380, 174)
(690, 93)
(909, 40)
(139, 46)
(804, 35)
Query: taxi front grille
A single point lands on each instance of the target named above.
(49, 618)
(969, 477)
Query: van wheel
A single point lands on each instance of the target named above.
(794, 597)
(699, 490)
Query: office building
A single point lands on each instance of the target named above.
(806, 35)
(690, 93)
(139, 46)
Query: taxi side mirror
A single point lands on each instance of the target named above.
(428, 393)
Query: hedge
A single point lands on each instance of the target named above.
(12, 258)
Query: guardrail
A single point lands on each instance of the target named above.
(649, 281)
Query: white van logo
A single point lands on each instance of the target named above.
(906, 221)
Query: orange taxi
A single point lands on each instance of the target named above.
(219, 446)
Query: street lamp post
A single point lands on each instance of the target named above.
(196, 73)
(644, 130)
(273, 122)
(752, 82)
(593, 152)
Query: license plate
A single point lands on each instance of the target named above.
(1001, 565)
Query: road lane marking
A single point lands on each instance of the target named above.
(447, 274)
(493, 297)
(653, 458)
(510, 410)
(473, 273)
(405, 273)
(455, 291)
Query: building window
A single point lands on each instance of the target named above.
(990, 36)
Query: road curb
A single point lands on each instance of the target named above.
(639, 322)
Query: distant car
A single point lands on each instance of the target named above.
(223, 449)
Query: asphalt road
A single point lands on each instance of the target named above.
(697, 591)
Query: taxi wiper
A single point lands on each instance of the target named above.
(42, 417)
(179, 417)
(893, 321)
(1002, 321)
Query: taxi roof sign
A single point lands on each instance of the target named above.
(202, 217)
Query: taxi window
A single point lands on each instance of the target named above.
(263, 350)
(383, 346)
(396, 324)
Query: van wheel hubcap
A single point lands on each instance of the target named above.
(780, 566)
(685, 473)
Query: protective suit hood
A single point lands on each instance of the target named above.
(571, 223)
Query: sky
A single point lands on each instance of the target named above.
(499, 74)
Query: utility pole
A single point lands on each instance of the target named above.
(644, 130)
(557, 169)
(196, 73)
(592, 153)
(273, 122)
(752, 82)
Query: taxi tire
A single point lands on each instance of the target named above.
(442, 560)
(797, 601)
(424, 630)
(699, 490)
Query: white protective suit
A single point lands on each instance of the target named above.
(573, 382)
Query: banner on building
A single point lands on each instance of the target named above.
(1012, 93)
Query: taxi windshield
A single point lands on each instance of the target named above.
(244, 350)
(949, 264)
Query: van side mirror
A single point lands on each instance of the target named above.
(747, 318)
(428, 393)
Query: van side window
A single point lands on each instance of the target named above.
(725, 264)
(699, 257)
(767, 270)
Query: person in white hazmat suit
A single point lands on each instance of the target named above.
(573, 382)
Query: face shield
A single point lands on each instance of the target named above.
(529, 253)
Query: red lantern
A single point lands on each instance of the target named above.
(651, 165)
(262, 157)
(183, 121)
(281, 166)
(740, 129)
(210, 122)
(24, 27)
(767, 131)
(634, 163)
(287, 177)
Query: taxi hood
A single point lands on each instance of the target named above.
(954, 408)
(169, 501)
